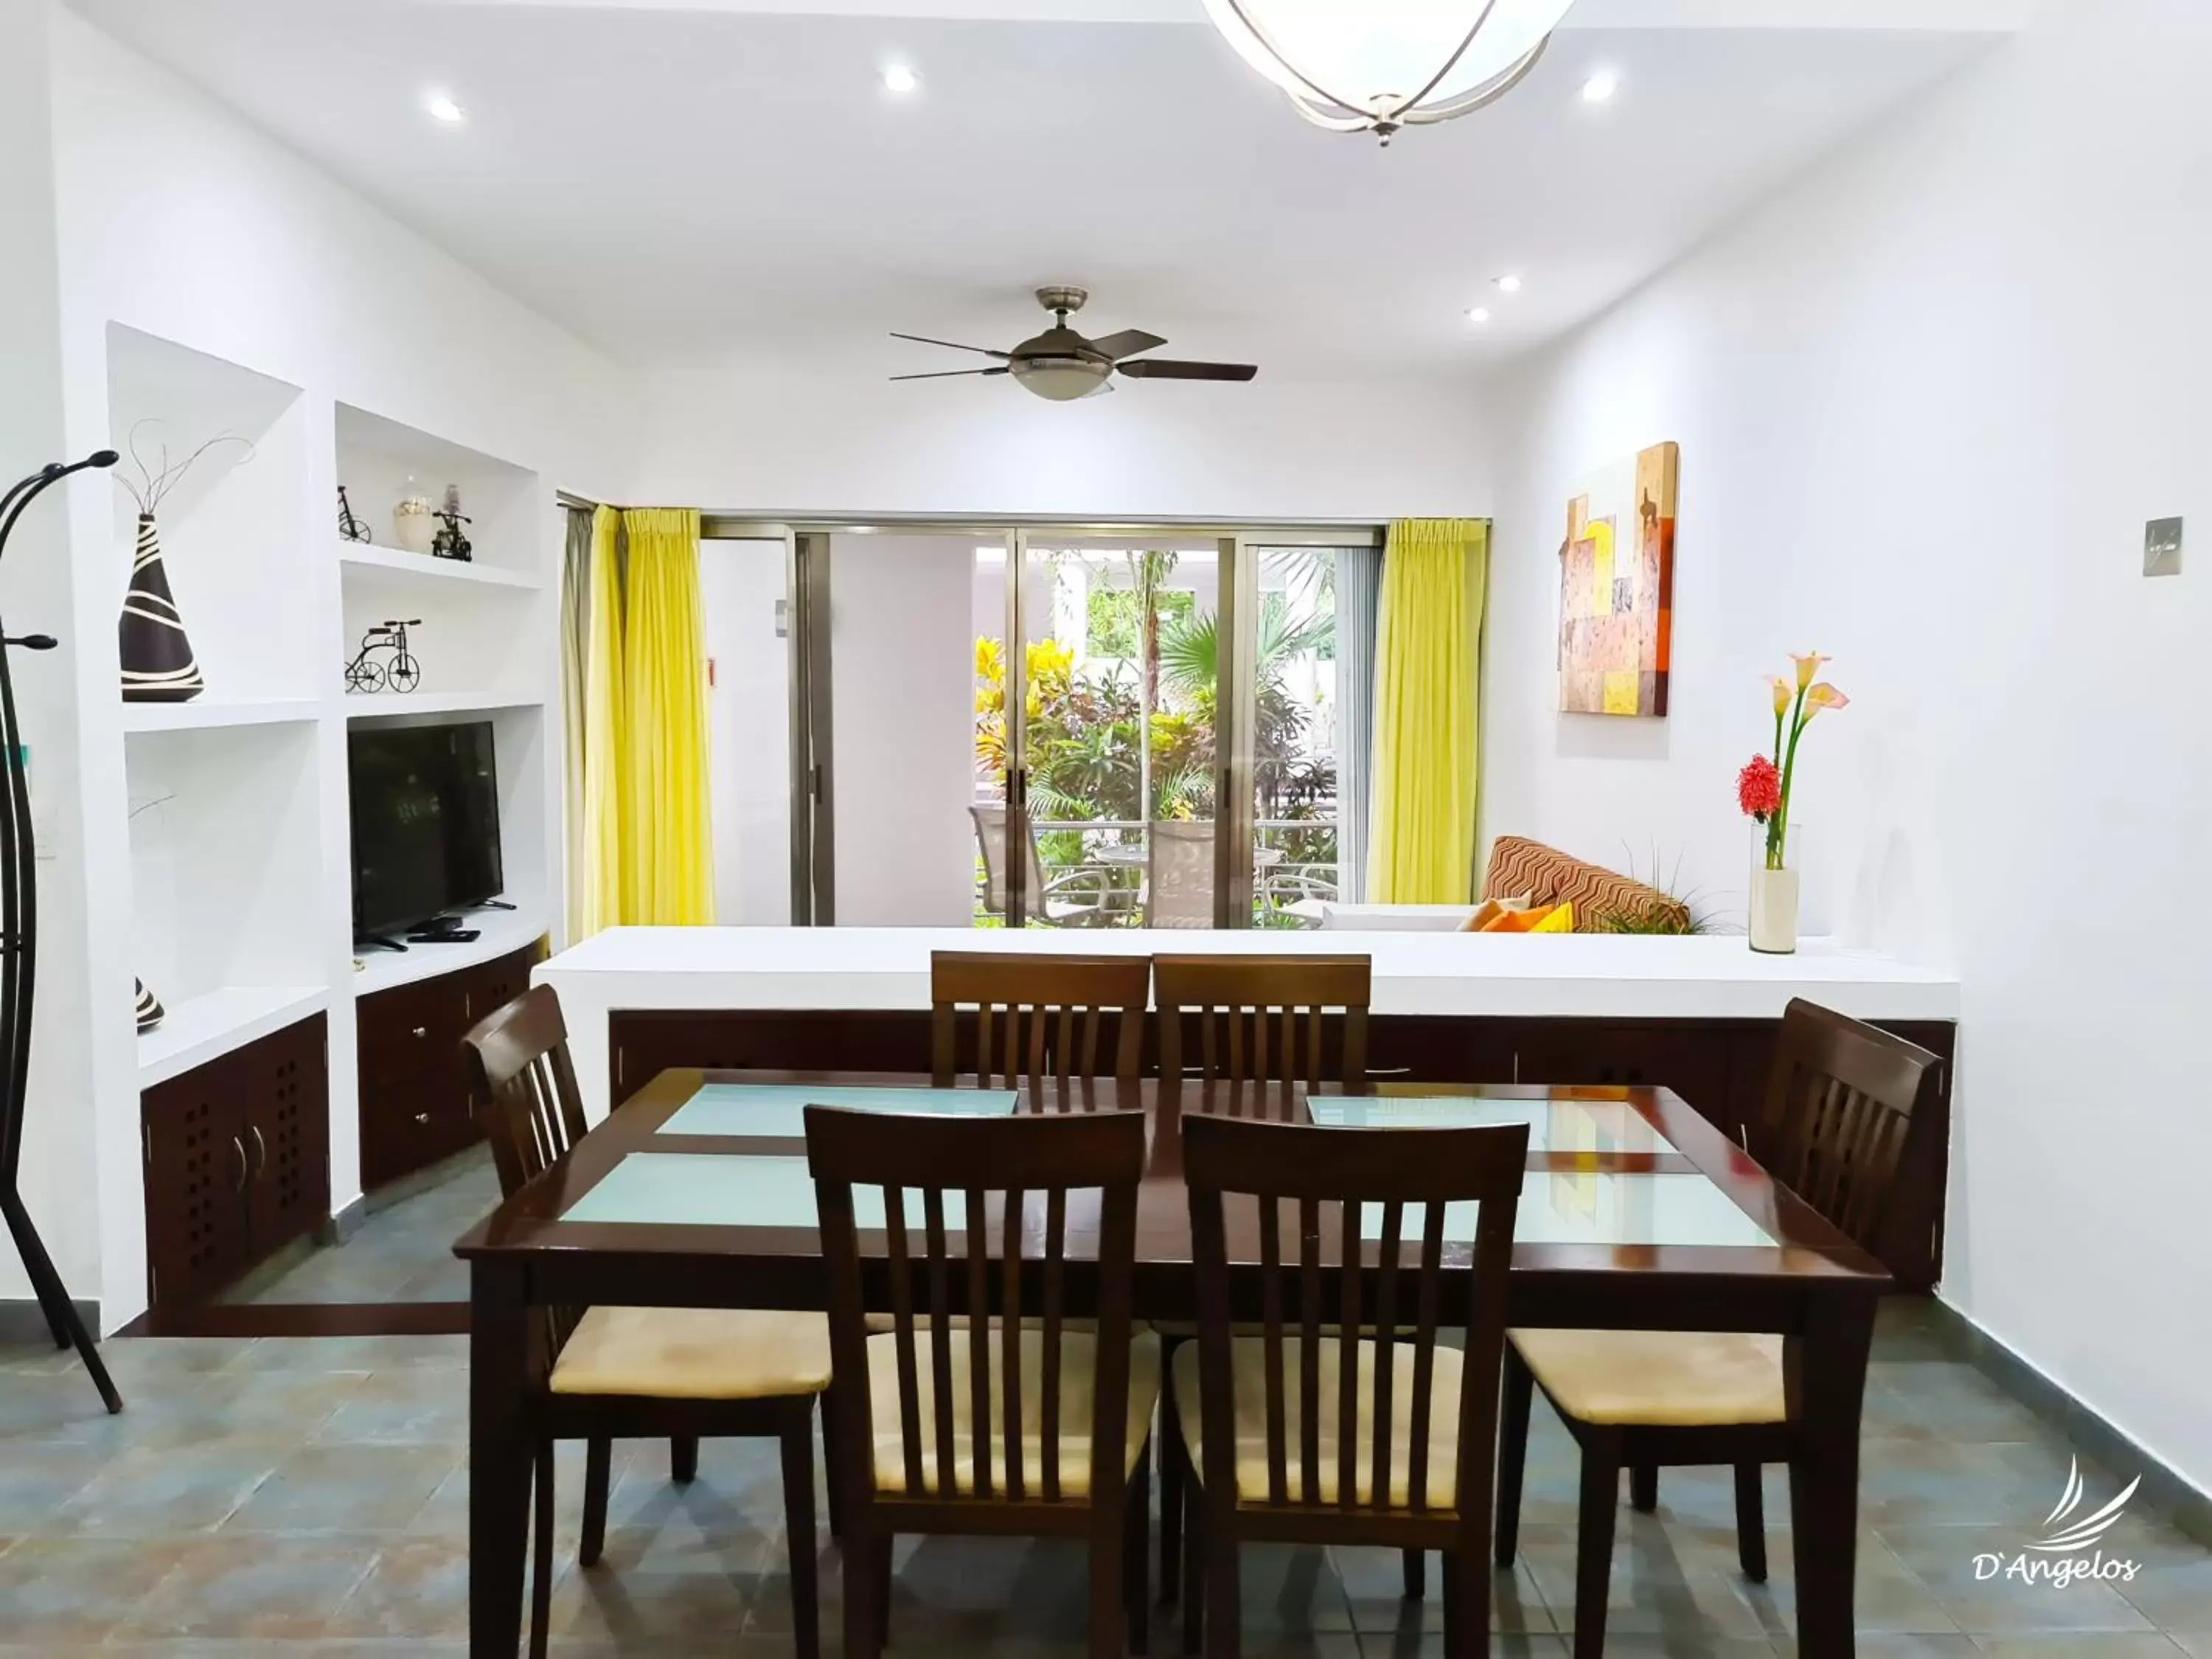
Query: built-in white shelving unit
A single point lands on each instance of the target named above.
(207, 1026)
(237, 846)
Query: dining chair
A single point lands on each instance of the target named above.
(687, 1373)
(1259, 1017)
(1342, 1419)
(1002, 1426)
(1844, 1101)
(1038, 1018)
(1179, 874)
(1074, 899)
(1237, 1002)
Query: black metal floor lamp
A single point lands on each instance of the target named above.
(18, 945)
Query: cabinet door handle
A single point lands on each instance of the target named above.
(422, 1117)
(421, 1031)
(237, 1145)
(262, 1145)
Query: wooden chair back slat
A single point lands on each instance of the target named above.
(1055, 1250)
(1038, 1018)
(1844, 1101)
(993, 1169)
(940, 1337)
(1309, 1351)
(903, 1336)
(1425, 1348)
(1271, 1324)
(1335, 1178)
(1386, 1351)
(1280, 999)
(979, 1332)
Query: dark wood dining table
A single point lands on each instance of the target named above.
(1636, 1212)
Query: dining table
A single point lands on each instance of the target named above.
(1635, 1212)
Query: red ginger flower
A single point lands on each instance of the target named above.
(1758, 789)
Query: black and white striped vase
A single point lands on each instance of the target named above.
(157, 656)
(150, 1010)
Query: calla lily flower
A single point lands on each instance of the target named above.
(1825, 695)
(1808, 664)
(1780, 689)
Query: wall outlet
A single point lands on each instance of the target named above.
(2162, 547)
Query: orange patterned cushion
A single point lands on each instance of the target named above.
(1548, 875)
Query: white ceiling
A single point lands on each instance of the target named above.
(679, 178)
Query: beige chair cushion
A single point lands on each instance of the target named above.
(694, 1353)
(1078, 1367)
(1248, 1363)
(1671, 1379)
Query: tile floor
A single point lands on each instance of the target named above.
(306, 1499)
(404, 1252)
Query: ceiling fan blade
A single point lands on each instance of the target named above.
(953, 345)
(952, 374)
(1166, 368)
(1127, 344)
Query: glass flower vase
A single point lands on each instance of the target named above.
(1774, 896)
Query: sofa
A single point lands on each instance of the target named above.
(1522, 869)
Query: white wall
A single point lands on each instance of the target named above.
(742, 436)
(902, 682)
(1926, 400)
(741, 586)
(178, 219)
(35, 597)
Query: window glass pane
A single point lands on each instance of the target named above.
(1296, 854)
(1119, 713)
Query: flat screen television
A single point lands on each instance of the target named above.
(425, 823)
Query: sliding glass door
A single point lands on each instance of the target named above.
(1143, 729)
(1095, 728)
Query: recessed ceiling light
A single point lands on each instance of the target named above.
(899, 78)
(1600, 87)
(443, 108)
(1480, 315)
(1508, 284)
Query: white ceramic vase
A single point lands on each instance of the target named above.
(1773, 911)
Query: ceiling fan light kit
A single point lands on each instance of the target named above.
(1384, 64)
(1061, 366)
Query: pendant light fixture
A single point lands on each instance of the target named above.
(1379, 65)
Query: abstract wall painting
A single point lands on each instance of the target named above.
(1617, 587)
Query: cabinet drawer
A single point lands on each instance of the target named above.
(406, 1031)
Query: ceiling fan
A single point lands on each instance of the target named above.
(1061, 365)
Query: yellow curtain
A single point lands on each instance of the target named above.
(1427, 652)
(668, 866)
(596, 895)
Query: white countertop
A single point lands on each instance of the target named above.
(1564, 977)
(1585, 976)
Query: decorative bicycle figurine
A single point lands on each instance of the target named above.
(351, 528)
(401, 673)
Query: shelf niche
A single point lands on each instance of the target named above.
(376, 457)
(231, 529)
(226, 861)
(519, 757)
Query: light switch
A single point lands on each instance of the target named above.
(2162, 548)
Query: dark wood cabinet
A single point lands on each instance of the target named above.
(237, 1162)
(417, 1104)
